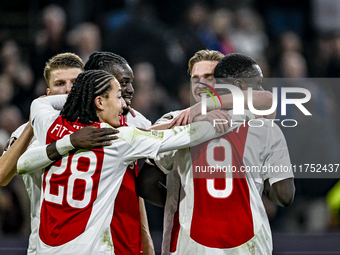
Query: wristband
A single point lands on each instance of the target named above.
(64, 145)
(213, 105)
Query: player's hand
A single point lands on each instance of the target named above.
(92, 137)
(219, 118)
(132, 111)
(182, 119)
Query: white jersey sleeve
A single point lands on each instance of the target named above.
(138, 121)
(164, 160)
(43, 112)
(33, 159)
(137, 143)
(168, 117)
(277, 165)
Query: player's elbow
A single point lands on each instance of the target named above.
(3, 180)
(286, 199)
(285, 192)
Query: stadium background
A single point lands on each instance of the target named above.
(289, 39)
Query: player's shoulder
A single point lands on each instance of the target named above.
(168, 117)
(138, 121)
(266, 129)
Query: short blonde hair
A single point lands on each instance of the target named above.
(63, 60)
(201, 55)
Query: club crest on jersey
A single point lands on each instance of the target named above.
(154, 133)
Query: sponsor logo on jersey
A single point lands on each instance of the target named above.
(10, 143)
(168, 117)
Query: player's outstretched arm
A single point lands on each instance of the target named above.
(262, 100)
(280, 193)
(86, 138)
(8, 161)
(148, 185)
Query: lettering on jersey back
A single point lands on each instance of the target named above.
(70, 187)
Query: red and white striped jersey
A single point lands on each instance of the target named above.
(209, 213)
(126, 221)
(79, 191)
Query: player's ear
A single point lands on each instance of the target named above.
(98, 101)
(240, 84)
(48, 91)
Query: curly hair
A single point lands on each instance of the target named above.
(236, 66)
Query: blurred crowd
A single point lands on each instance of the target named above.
(289, 39)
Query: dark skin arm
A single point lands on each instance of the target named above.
(148, 185)
(280, 193)
(86, 138)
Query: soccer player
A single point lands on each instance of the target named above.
(129, 226)
(226, 215)
(60, 72)
(201, 68)
(80, 189)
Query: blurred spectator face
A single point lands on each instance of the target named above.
(197, 14)
(203, 72)
(13, 118)
(290, 41)
(293, 65)
(85, 39)
(124, 75)
(145, 74)
(54, 19)
(62, 80)
(6, 90)
(10, 52)
(221, 22)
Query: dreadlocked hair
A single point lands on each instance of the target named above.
(236, 66)
(80, 102)
(102, 60)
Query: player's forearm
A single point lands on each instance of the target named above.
(148, 185)
(261, 100)
(33, 159)
(281, 193)
(40, 157)
(162, 126)
(186, 136)
(8, 161)
(148, 247)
